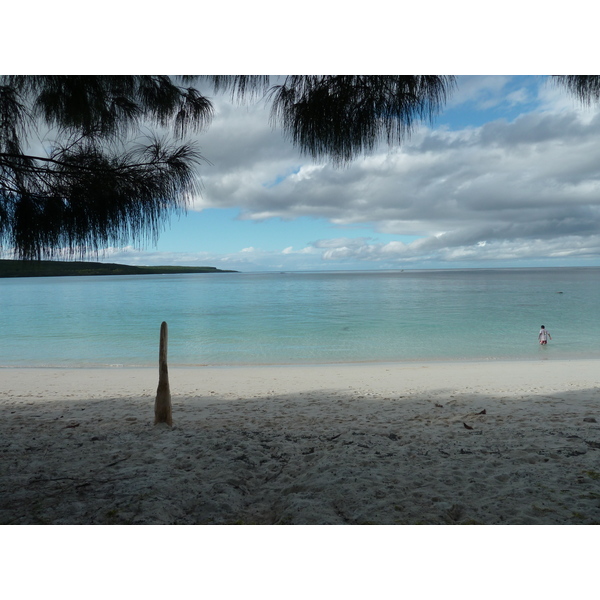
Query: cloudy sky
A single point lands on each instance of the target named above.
(508, 175)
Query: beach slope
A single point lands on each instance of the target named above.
(430, 443)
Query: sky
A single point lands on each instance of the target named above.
(507, 175)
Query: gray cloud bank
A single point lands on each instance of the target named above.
(514, 190)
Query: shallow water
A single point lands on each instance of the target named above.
(278, 318)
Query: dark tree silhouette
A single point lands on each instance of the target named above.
(95, 180)
(584, 87)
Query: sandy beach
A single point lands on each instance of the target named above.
(422, 443)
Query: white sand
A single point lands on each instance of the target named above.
(335, 444)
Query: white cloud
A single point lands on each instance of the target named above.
(441, 250)
(484, 91)
(534, 177)
(520, 96)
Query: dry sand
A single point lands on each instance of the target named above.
(332, 444)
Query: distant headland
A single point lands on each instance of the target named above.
(58, 268)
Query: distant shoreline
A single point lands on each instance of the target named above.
(58, 268)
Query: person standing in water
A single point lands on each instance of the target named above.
(544, 336)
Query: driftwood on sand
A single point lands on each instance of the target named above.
(162, 405)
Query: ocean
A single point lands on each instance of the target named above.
(300, 317)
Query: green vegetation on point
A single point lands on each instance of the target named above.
(57, 268)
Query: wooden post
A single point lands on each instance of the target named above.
(162, 405)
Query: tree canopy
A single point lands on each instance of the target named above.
(584, 87)
(92, 161)
(94, 178)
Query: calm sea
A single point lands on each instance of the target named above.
(282, 318)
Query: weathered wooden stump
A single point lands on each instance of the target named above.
(162, 405)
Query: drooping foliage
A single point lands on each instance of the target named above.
(585, 88)
(93, 179)
(343, 116)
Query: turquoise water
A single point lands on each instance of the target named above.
(282, 318)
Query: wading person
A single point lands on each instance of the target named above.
(544, 336)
